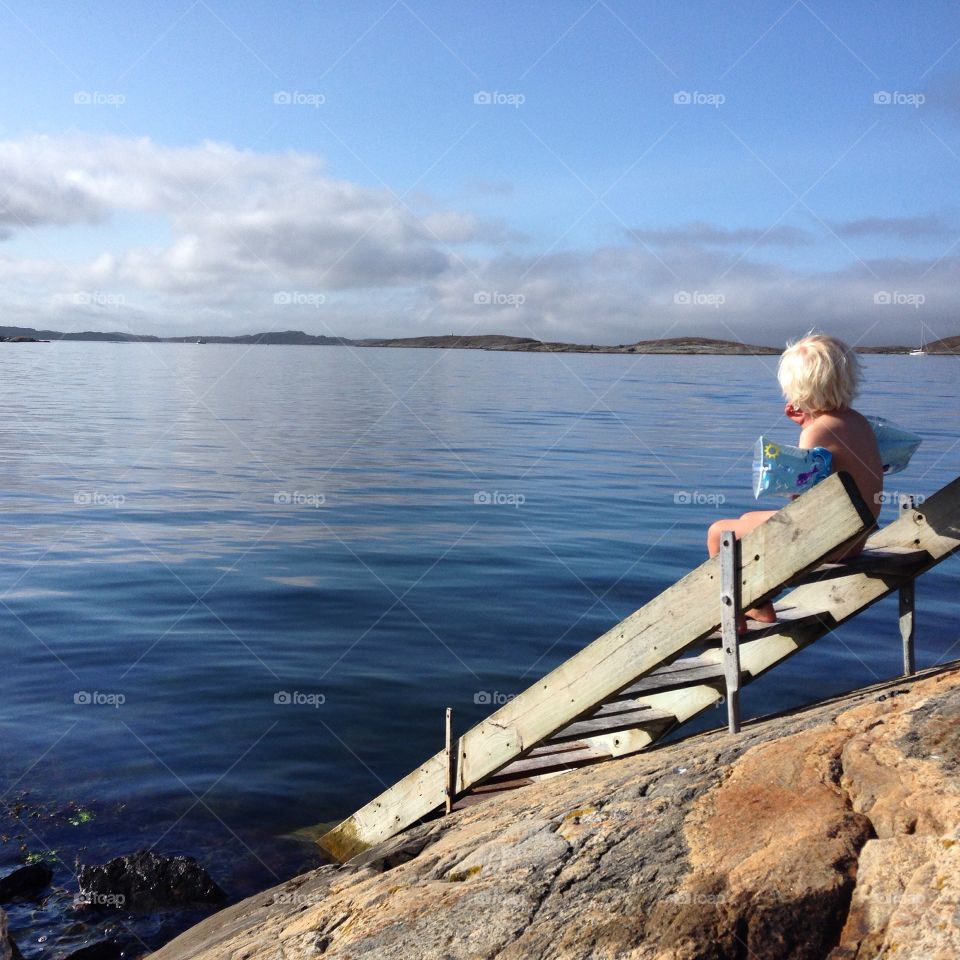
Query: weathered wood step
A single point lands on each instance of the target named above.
(707, 668)
(550, 758)
(787, 615)
(599, 723)
(889, 562)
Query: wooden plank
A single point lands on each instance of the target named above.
(681, 673)
(793, 540)
(546, 749)
(730, 612)
(611, 723)
(903, 561)
(535, 766)
(617, 706)
(755, 628)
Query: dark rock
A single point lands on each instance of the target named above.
(25, 883)
(8, 949)
(145, 881)
(101, 950)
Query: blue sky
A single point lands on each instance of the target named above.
(743, 171)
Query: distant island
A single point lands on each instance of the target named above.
(490, 341)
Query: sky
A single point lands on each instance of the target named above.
(597, 171)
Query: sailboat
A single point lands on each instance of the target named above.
(920, 351)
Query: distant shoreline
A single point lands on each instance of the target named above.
(490, 342)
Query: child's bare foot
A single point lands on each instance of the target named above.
(762, 614)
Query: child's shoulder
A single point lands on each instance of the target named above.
(834, 426)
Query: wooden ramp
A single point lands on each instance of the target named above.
(633, 685)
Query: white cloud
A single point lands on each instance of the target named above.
(241, 225)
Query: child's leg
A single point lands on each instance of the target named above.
(740, 527)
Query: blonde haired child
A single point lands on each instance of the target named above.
(820, 376)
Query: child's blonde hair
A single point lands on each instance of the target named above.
(819, 373)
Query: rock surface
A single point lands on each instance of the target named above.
(146, 881)
(8, 949)
(830, 832)
(25, 883)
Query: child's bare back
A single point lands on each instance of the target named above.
(849, 437)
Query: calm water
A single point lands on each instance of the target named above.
(191, 532)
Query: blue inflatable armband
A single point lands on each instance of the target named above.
(896, 445)
(785, 470)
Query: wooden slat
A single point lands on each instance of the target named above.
(548, 749)
(755, 628)
(535, 766)
(612, 723)
(618, 705)
(793, 540)
(902, 562)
